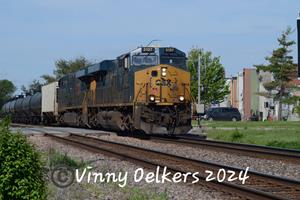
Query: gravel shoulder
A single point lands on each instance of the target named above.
(273, 167)
(102, 163)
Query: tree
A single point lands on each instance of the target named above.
(282, 68)
(64, 67)
(212, 77)
(7, 89)
(34, 87)
(48, 79)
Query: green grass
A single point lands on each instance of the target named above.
(56, 158)
(276, 134)
(127, 193)
(249, 124)
(135, 193)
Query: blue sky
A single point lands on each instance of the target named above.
(35, 33)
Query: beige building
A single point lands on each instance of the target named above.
(246, 91)
(234, 100)
(243, 92)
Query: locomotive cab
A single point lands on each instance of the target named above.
(162, 98)
(147, 89)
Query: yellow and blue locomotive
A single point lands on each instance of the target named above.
(147, 89)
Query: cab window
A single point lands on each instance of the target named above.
(176, 61)
(144, 60)
(126, 62)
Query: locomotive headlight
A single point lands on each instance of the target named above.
(152, 98)
(181, 98)
(164, 71)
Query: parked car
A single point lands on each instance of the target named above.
(223, 113)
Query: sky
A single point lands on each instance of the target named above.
(36, 33)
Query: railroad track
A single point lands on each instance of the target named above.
(287, 155)
(257, 186)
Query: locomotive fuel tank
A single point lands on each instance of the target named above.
(111, 120)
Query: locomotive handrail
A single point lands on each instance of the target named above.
(135, 99)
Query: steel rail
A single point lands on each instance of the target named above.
(289, 155)
(259, 186)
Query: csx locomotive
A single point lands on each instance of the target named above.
(147, 89)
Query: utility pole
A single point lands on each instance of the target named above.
(298, 31)
(199, 79)
(199, 89)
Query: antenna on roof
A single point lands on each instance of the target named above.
(155, 40)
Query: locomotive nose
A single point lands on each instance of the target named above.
(163, 85)
(159, 80)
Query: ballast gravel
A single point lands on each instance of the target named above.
(272, 167)
(110, 191)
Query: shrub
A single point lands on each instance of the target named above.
(21, 170)
(56, 158)
(236, 135)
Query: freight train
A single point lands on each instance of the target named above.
(147, 89)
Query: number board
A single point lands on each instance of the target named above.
(148, 50)
(169, 50)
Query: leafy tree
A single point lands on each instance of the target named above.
(7, 89)
(48, 78)
(21, 169)
(212, 77)
(282, 68)
(34, 87)
(64, 67)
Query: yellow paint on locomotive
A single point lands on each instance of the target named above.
(93, 86)
(163, 84)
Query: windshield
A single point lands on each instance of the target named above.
(176, 61)
(144, 60)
